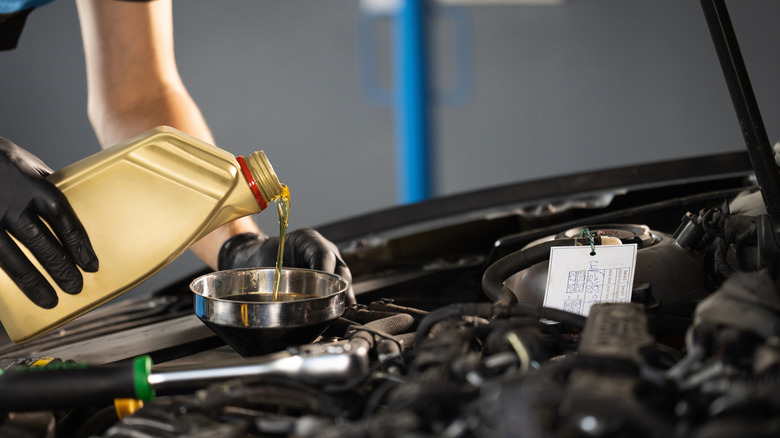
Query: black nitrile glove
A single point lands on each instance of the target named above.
(303, 248)
(26, 200)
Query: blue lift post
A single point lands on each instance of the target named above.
(412, 94)
(413, 152)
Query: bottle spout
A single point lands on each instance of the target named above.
(261, 177)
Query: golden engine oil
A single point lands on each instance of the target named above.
(143, 202)
(283, 211)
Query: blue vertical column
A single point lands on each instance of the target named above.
(413, 152)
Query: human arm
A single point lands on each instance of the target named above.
(134, 85)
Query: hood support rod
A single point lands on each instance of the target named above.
(756, 139)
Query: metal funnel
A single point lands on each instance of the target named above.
(238, 306)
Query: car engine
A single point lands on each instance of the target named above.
(451, 336)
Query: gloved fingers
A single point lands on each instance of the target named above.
(317, 257)
(23, 159)
(329, 260)
(33, 233)
(309, 249)
(245, 250)
(306, 248)
(332, 262)
(55, 209)
(342, 270)
(269, 250)
(24, 274)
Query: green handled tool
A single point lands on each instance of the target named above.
(67, 384)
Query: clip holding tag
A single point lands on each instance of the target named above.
(586, 233)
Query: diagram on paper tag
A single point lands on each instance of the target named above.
(576, 280)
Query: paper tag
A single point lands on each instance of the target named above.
(576, 280)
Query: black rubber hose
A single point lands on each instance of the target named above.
(392, 325)
(363, 315)
(496, 274)
(484, 310)
(558, 315)
(385, 305)
(385, 327)
(407, 340)
(504, 301)
(487, 311)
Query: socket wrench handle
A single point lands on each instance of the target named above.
(69, 384)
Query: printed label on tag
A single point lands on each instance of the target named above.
(576, 280)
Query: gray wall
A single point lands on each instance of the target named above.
(586, 85)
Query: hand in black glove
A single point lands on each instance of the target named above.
(303, 248)
(26, 198)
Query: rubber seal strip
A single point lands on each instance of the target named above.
(251, 181)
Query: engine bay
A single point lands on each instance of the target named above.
(451, 337)
(432, 350)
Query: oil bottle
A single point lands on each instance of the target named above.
(143, 202)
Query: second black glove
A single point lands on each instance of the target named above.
(303, 248)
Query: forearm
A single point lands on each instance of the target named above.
(132, 81)
(207, 248)
(133, 85)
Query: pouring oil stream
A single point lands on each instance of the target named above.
(283, 209)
